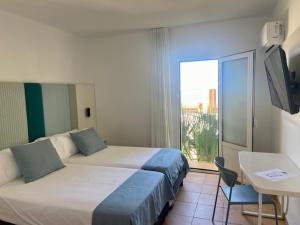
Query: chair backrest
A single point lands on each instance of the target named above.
(228, 176)
(220, 161)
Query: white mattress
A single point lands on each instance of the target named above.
(116, 156)
(65, 197)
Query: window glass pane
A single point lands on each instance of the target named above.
(234, 94)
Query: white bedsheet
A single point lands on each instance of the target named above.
(65, 197)
(116, 156)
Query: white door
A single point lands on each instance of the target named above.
(235, 109)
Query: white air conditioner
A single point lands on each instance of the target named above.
(273, 34)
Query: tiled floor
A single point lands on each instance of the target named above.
(195, 201)
(202, 165)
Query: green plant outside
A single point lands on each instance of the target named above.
(199, 135)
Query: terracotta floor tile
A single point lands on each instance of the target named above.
(266, 208)
(233, 207)
(196, 179)
(270, 221)
(178, 220)
(211, 179)
(206, 212)
(191, 186)
(195, 174)
(197, 221)
(187, 196)
(210, 200)
(184, 208)
(236, 217)
(209, 189)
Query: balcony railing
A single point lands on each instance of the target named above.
(199, 135)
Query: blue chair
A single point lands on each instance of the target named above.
(237, 194)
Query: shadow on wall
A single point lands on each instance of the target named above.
(292, 48)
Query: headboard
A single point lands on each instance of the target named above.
(32, 110)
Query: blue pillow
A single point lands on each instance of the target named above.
(36, 160)
(88, 141)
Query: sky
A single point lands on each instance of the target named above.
(196, 78)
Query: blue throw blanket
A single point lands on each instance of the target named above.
(138, 201)
(170, 162)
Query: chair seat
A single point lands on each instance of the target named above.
(244, 195)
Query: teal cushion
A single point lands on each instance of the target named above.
(88, 141)
(36, 160)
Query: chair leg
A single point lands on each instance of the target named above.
(227, 214)
(216, 200)
(275, 212)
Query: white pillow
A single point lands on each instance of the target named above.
(9, 170)
(63, 144)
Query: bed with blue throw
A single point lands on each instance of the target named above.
(87, 195)
(171, 162)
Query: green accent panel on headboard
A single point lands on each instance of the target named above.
(73, 106)
(13, 121)
(56, 108)
(32, 110)
(35, 111)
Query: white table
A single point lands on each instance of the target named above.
(253, 162)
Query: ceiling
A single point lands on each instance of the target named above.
(97, 17)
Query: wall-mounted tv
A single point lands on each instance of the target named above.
(282, 85)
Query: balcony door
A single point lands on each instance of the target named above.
(235, 106)
(199, 112)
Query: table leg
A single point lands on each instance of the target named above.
(282, 210)
(242, 182)
(259, 209)
(281, 216)
(242, 177)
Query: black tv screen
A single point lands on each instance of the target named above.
(279, 80)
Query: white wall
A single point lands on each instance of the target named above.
(121, 64)
(286, 127)
(293, 15)
(30, 51)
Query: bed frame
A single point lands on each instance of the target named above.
(179, 181)
(5, 223)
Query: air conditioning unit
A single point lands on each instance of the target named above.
(273, 34)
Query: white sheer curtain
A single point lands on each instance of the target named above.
(161, 104)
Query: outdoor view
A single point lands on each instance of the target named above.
(199, 112)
